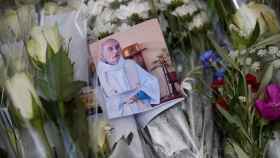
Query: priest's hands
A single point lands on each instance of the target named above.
(131, 100)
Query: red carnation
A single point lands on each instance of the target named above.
(221, 102)
(252, 80)
(216, 84)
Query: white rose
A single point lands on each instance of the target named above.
(248, 15)
(246, 20)
(21, 91)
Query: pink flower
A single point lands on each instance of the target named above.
(270, 107)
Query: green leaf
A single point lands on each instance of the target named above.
(273, 39)
(239, 151)
(267, 76)
(234, 120)
(58, 83)
(230, 118)
(255, 35)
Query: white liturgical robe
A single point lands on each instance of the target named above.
(124, 80)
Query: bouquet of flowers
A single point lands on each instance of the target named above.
(244, 91)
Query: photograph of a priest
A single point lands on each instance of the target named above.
(128, 88)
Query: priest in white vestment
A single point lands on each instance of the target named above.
(128, 88)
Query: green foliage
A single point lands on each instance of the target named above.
(76, 121)
(59, 90)
(134, 19)
(56, 78)
(174, 4)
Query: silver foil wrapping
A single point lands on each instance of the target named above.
(185, 131)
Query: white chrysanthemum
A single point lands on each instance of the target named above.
(278, 54)
(166, 1)
(160, 5)
(21, 91)
(262, 52)
(133, 8)
(103, 22)
(272, 50)
(103, 28)
(256, 66)
(107, 15)
(96, 7)
(198, 21)
(234, 54)
(124, 27)
(187, 9)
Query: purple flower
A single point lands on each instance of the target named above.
(270, 107)
(208, 57)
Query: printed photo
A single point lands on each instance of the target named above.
(134, 70)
